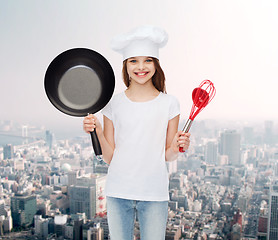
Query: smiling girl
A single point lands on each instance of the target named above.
(139, 134)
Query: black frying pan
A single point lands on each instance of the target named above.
(80, 81)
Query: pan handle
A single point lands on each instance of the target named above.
(96, 144)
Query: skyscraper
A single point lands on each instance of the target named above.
(268, 132)
(230, 146)
(8, 151)
(87, 196)
(24, 133)
(23, 208)
(272, 226)
(81, 200)
(95, 233)
(49, 138)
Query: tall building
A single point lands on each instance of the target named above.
(23, 208)
(49, 138)
(262, 227)
(272, 226)
(87, 196)
(41, 226)
(230, 146)
(211, 153)
(2, 207)
(81, 200)
(237, 219)
(24, 133)
(268, 132)
(77, 229)
(60, 222)
(95, 232)
(8, 151)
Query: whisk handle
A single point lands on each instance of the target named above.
(186, 130)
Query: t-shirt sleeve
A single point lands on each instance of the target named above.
(107, 111)
(174, 107)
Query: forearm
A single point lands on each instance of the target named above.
(107, 149)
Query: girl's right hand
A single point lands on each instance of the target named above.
(90, 123)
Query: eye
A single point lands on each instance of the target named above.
(149, 60)
(132, 61)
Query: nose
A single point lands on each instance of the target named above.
(141, 65)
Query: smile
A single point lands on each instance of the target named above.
(141, 73)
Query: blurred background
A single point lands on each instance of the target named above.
(232, 43)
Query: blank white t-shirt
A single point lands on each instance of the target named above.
(138, 169)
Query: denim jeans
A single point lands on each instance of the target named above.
(152, 216)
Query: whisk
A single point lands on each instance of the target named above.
(201, 97)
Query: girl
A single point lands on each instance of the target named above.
(140, 132)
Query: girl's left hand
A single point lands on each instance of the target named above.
(181, 139)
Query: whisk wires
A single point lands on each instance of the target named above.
(201, 97)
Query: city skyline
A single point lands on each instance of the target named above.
(213, 193)
(234, 44)
(12, 132)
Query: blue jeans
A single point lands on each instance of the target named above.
(152, 218)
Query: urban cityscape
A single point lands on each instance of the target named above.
(225, 186)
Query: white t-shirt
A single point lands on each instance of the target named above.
(138, 169)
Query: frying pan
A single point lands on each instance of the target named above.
(80, 81)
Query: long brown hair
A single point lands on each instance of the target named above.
(158, 78)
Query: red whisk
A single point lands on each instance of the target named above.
(201, 97)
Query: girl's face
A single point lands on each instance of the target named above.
(140, 69)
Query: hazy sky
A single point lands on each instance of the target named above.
(234, 43)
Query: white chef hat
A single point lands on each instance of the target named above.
(141, 41)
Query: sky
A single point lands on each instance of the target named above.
(231, 43)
